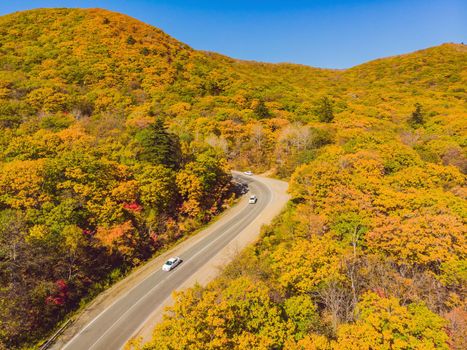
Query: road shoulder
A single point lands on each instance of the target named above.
(139, 274)
(211, 269)
(208, 272)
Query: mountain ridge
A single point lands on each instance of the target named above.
(101, 12)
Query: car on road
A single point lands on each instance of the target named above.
(171, 263)
(253, 199)
(249, 173)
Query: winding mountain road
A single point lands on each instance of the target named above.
(133, 306)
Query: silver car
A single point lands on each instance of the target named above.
(253, 199)
(171, 263)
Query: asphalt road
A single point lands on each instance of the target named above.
(115, 325)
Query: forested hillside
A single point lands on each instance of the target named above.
(117, 140)
(371, 251)
(92, 182)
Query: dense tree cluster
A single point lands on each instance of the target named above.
(116, 140)
(79, 212)
(370, 254)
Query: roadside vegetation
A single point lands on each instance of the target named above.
(364, 257)
(117, 139)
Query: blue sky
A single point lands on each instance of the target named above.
(329, 34)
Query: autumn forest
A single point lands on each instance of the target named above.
(117, 141)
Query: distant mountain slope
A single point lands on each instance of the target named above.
(433, 74)
(115, 62)
(117, 139)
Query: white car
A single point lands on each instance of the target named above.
(171, 263)
(249, 173)
(253, 199)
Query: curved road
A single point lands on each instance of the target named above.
(119, 321)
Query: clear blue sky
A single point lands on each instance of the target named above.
(330, 34)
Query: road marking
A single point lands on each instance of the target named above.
(159, 283)
(207, 262)
(165, 278)
(116, 301)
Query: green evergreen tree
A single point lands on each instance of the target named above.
(417, 118)
(130, 40)
(325, 110)
(262, 111)
(159, 146)
(145, 51)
